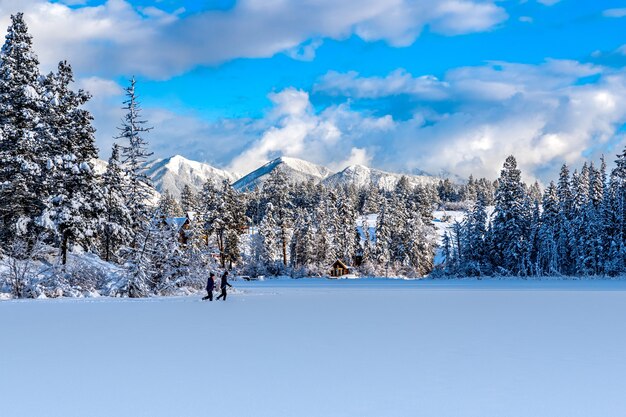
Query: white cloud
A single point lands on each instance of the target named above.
(294, 129)
(396, 83)
(358, 156)
(621, 12)
(305, 51)
(115, 38)
(544, 114)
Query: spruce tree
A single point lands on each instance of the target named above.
(116, 227)
(508, 226)
(188, 200)
(23, 155)
(135, 154)
(74, 205)
(276, 191)
(168, 206)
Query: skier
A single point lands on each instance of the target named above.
(210, 284)
(223, 284)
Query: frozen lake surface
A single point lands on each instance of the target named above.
(309, 348)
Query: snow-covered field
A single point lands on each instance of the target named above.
(323, 348)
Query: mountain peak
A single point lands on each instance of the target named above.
(297, 170)
(174, 173)
(363, 176)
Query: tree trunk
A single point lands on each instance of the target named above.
(107, 248)
(283, 233)
(220, 246)
(64, 243)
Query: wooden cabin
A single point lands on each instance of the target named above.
(340, 269)
(181, 225)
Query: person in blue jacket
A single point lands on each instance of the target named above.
(210, 284)
(223, 284)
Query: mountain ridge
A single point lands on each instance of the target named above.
(173, 173)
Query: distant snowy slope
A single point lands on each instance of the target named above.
(362, 176)
(297, 170)
(172, 174)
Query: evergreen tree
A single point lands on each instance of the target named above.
(548, 261)
(384, 237)
(74, 205)
(276, 191)
(135, 154)
(188, 200)
(116, 231)
(270, 243)
(346, 231)
(23, 153)
(508, 226)
(302, 242)
(168, 206)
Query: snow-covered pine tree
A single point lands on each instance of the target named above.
(270, 241)
(346, 230)
(371, 203)
(473, 231)
(366, 243)
(323, 252)
(209, 203)
(168, 206)
(116, 225)
(302, 242)
(228, 223)
(135, 154)
(188, 200)
(22, 150)
(384, 237)
(276, 191)
(74, 205)
(509, 222)
(548, 262)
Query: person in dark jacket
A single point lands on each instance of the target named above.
(223, 284)
(210, 284)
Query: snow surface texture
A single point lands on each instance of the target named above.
(318, 348)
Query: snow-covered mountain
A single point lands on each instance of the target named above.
(172, 174)
(362, 176)
(297, 170)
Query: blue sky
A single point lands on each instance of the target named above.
(452, 85)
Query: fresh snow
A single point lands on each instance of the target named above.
(311, 348)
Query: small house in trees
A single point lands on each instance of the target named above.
(340, 269)
(182, 225)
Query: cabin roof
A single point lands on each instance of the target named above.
(341, 264)
(177, 222)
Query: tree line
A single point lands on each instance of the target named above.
(576, 228)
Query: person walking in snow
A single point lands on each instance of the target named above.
(223, 284)
(210, 285)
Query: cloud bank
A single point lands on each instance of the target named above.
(116, 38)
(544, 114)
